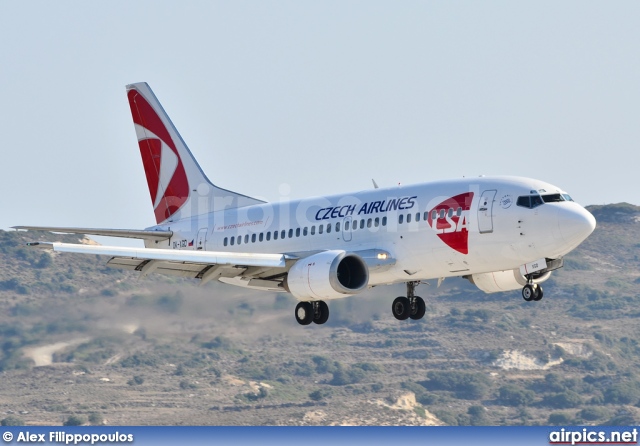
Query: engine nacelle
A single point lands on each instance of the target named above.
(327, 275)
(504, 280)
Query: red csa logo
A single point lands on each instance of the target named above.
(166, 177)
(450, 220)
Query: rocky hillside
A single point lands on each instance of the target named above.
(83, 343)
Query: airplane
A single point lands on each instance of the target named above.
(501, 233)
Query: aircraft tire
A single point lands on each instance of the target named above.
(539, 293)
(304, 313)
(322, 315)
(528, 293)
(401, 308)
(418, 310)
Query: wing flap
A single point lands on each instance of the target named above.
(170, 255)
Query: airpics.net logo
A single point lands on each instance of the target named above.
(588, 436)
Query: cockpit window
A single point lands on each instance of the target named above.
(529, 201)
(553, 198)
(567, 197)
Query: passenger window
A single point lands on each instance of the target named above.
(313, 230)
(434, 215)
(239, 240)
(355, 224)
(384, 221)
(328, 228)
(320, 229)
(369, 223)
(408, 218)
(232, 240)
(400, 218)
(305, 231)
(290, 233)
(275, 235)
(418, 216)
(268, 235)
(425, 216)
(225, 241)
(297, 232)
(253, 238)
(346, 225)
(283, 234)
(338, 227)
(260, 236)
(450, 212)
(442, 213)
(376, 222)
(246, 238)
(459, 212)
(362, 224)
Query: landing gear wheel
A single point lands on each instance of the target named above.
(528, 292)
(321, 312)
(418, 308)
(539, 293)
(304, 313)
(401, 308)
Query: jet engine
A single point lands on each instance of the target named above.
(327, 275)
(504, 280)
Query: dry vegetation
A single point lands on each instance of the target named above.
(82, 343)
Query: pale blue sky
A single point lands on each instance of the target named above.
(322, 96)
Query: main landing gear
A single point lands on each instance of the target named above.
(532, 291)
(411, 306)
(316, 312)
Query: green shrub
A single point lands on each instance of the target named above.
(74, 420)
(622, 393)
(219, 343)
(557, 418)
(343, 377)
(136, 380)
(477, 416)
(96, 419)
(563, 400)
(12, 421)
(466, 385)
(593, 413)
(320, 394)
(324, 364)
(512, 395)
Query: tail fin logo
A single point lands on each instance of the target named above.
(166, 176)
(450, 220)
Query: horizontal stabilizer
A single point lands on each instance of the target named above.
(124, 233)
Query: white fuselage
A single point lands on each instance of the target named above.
(432, 230)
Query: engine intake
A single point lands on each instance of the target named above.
(327, 275)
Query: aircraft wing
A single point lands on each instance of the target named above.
(204, 265)
(155, 236)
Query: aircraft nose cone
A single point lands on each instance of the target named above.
(575, 225)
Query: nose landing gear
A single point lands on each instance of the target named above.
(532, 291)
(411, 306)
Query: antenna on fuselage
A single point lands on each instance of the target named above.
(375, 185)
